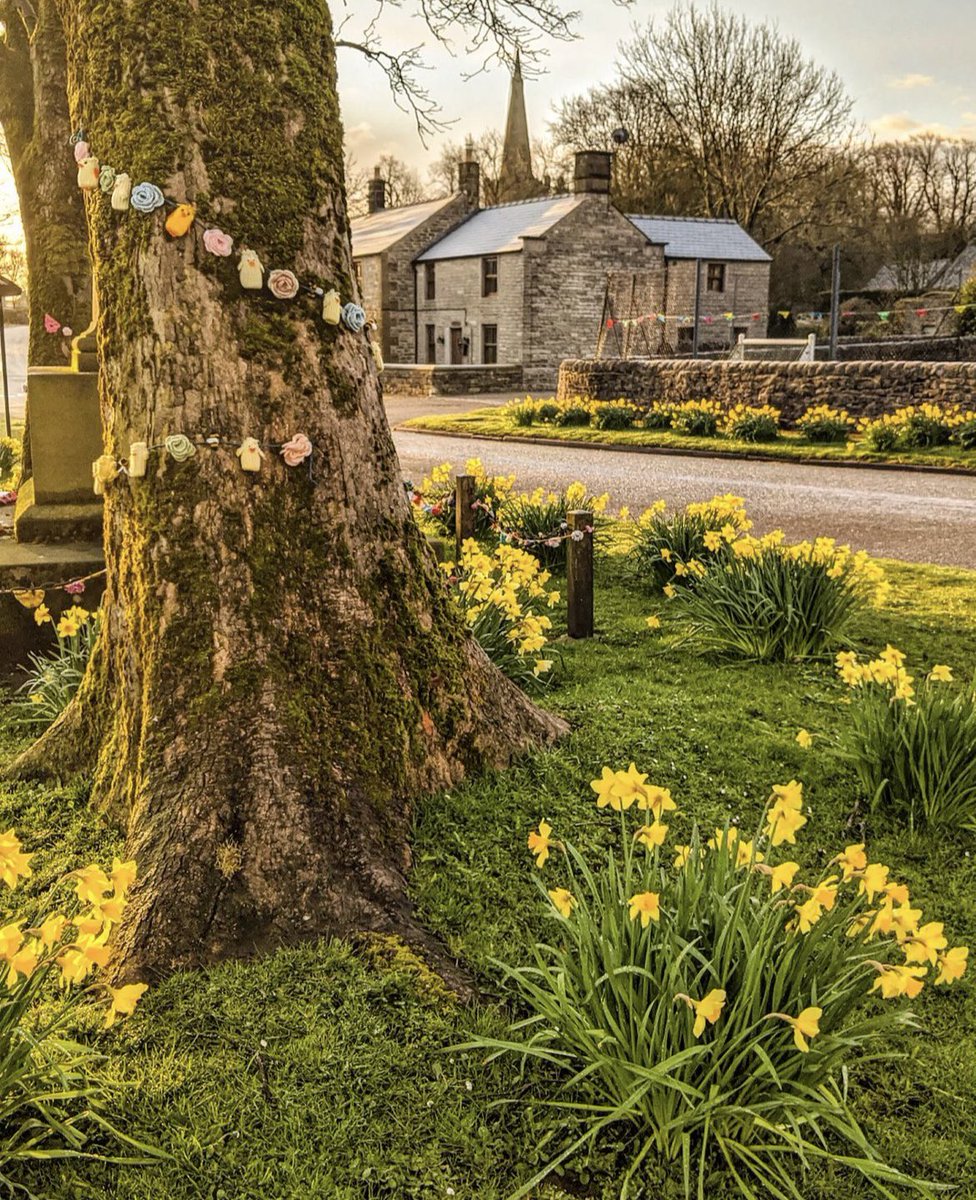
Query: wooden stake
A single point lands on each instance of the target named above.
(464, 497)
(579, 575)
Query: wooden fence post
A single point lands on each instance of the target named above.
(464, 497)
(579, 575)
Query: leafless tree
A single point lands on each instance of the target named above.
(727, 118)
(487, 150)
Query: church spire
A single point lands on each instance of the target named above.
(516, 182)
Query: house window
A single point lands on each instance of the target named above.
(431, 343)
(430, 282)
(489, 276)
(489, 343)
(686, 339)
(715, 278)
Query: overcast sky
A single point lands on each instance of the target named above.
(907, 63)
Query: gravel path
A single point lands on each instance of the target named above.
(898, 514)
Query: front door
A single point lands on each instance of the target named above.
(455, 344)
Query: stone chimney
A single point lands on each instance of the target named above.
(592, 172)
(377, 192)
(469, 175)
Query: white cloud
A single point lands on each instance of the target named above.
(908, 82)
(892, 126)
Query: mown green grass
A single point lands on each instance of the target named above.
(319, 1072)
(493, 423)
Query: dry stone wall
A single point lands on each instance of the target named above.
(863, 388)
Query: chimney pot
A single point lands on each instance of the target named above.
(377, 192)
(469, 176)
(592, 173)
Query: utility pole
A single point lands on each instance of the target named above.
(835, 304)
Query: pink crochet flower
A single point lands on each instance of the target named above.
(218, 242)
(283, 284)
(296, 451)
(51, 324)
(76, 588)
(81, 151)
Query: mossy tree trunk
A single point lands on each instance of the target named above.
(281, 671)
(37, 128)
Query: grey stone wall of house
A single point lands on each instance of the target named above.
(863, 388)
(387, 280)
(565, 280)
(458, 302)
(403, 379)
(745, 293)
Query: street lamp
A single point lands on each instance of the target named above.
(7, 288)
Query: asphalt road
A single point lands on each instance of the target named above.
(919, 517)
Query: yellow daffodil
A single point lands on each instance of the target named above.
(681, 856)
(24, 963)
(75, 967)
(11, 939)
(723, 839)
(952, 964)
(562, 900)
(629, 787)
(873, 879)
(604, 788)
(670, 591)
(540, 843)
(652, 622)
(897, 893)
(783, 823)
(713, 540)
(51, 929)
(925, 943)
(746, 853)
(665, 553)
(42, 614)
(808, 914)
(656, 800)
(14, 863)
(783, 875)
(787, 795)
(651, 835)
(647, 906)
(852, 860)
(940, 673)
(92, 884)
(124, 1000)
(542, 665)
(804, 739)
(806, 1025)
(894, 981)
(709, 1008)
(89, 924)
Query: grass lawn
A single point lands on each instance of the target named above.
(492, 422)
(327, 1071)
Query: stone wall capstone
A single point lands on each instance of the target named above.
(407, 379)
(865, 389)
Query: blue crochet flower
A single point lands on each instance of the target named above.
(146, 198)
(353, 317)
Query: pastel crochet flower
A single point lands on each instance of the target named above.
(283, 284)
(218, 242)
(146, 198)
(179, 446)
(353, 317)
(297, 450)
(106, 179)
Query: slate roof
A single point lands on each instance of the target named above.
(700, 237)
(896, 277)
(501, 228)
(378, 231)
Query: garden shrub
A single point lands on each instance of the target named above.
(824, 424)
(701, 1004)
(522, 413)
(614, 414)
(573, 414)
(914, 427)
(912, 748)
(547, 411)
(436, 497)
(776, 602)
(50, 1100)
(697, 418)
(10, 451)
(538, 521)
(881, 434)
(751, 423)
(54, 678)
(674, 549)
(504, 599)
(964, 434)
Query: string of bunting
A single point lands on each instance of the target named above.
(180, 447)
(147, 198)
(33, 597)
(510, 537)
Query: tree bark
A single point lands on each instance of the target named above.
(37, 129)
(282, 672)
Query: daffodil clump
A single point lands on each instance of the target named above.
(774, 601)
(675, 550)
(44, 1080)
(573, 411)
(824, 424)
(436, 496)
(911, 739)
(914, 427)
(505, 598)
(53, 678)
(538, 521)
(697, 418)
(751, 422)
(703, 994)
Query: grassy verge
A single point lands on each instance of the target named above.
(327, 1071)
(492, 422)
